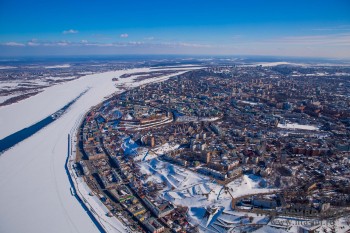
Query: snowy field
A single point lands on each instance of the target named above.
(35, 191)
(188, 188)
(144, 154)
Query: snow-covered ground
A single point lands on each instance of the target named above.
(165, 148)
(7, 67)
(188, 188)
(248, 102)
(58, 66)
(144, 154)
(4, 98)
(267, 64)
(297, 126)
(35, 191)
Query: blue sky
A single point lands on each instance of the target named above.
(316, 28)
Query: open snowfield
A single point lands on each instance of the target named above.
(35, 191)
(144, 154)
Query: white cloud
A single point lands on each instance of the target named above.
(149, 38)
(11, 43)
(56, 43)
(329, 45)
(135, 43)
(342, 39)
(62, 43)
(31, 43)
(101, 44)
(194, 45)
(118, 44)
(185, 44)
(70, 31)
(124, 35)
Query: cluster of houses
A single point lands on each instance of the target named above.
(224, 122)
